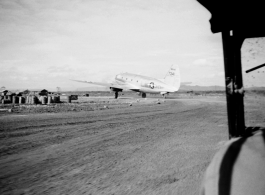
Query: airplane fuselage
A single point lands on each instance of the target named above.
(143, 83)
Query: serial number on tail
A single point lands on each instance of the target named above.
(171, 73)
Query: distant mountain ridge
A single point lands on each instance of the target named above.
(213, 88)
(96, 88)
(182, 88)
(256, 88)
(201, 88)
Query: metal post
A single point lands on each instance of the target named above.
(234, 85)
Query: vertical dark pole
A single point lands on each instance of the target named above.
(229, 72)
(239, 89)
(234, 84)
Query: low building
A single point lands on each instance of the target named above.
(3, 92)
(36, 92)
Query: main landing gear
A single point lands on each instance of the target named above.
(143, 95)
(116, 94)
(116, 91)
(165, 96)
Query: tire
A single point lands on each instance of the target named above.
(116, 95)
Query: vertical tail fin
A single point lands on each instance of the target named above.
(172, 77)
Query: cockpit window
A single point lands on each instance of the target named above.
(253, 71)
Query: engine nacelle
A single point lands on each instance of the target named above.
(115, 89)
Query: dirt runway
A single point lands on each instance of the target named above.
(146, 148)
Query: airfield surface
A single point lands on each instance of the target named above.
(124, 146)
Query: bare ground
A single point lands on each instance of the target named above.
(145, 148)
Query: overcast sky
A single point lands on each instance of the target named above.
(43, 44)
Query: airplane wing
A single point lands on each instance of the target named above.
(115, 84)
(95, 83)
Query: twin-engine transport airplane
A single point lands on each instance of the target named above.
(144, 84)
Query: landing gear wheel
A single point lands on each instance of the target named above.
(143, 95)
(116, 95)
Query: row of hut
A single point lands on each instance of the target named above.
(13, 99)
(30, 97)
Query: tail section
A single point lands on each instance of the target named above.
(172, 77)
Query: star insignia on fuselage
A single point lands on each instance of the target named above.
(152, 85)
